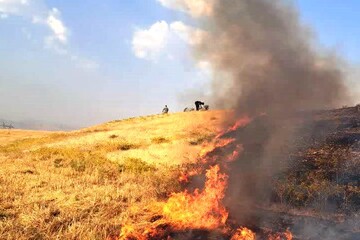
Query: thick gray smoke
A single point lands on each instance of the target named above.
(265, 61)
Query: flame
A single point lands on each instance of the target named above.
(281, 236)
(238, 124)
(128, 232)
(235, 153)
(288, 235)
(219, 143)
(243, 234)
(200, 210)
(184, 177)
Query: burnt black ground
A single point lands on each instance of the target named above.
(315, 168)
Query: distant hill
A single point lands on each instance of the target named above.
(37, 125)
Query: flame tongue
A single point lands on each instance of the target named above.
(201, 209)
(243, 234)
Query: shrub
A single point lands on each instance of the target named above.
(59, 162)
(78, 165)
(135, 165)
(159, 140)
(201, 138)
(125, 146)
(112, 146)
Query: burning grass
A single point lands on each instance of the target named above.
(200, 209)
(199, 213)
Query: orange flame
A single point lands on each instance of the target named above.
(238, 124)
(243, 234)
(241, 123)
(235, 154)
(288, 235)
(281, 236)
(219, 143)
(128, 232)
(184, 177)
(200, 209)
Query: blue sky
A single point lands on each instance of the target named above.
(75, 62)
(335, 24)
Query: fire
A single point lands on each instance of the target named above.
(281, 236)
(238, 124)
(235, 153)
(184, 177)
(199, 210)
(128, 232)
(219, 143)
(243, 234)
(288, 235)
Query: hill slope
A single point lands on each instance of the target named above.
(86, 184)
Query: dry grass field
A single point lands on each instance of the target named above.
(87, 183)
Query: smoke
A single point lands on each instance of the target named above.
(265, 62)
(269, 58)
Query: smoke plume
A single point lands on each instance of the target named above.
(265, 62)
(269, 59)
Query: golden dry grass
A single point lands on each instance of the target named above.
(7, 136)
(87, 183)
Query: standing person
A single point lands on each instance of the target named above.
(165, 110)
(198, 105)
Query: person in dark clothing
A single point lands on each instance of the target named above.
(198, 105)
(165, 110)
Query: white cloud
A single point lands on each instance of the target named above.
(12, 6)
(187, 33)
(59, 33)
(23, 8)
(149, 43)
(40, 14)
(58, 28)
(166, 40)
(196, 8)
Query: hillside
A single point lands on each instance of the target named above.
(87, 184)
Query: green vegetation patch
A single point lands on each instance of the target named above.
(116, 145)
(135, 165)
